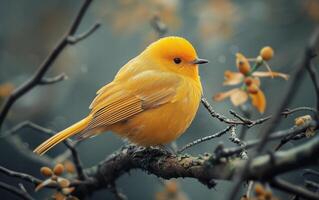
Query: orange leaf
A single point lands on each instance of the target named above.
(259, 101)
(238, 97)
(223, 95)
(232, 78)
(270, 74)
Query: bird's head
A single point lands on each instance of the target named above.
(175, 54)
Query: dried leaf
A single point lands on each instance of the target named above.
(270, 74)
(232, 78)
(223, 95)
(239, 97)
(259, 101)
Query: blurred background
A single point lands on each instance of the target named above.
(217, 28)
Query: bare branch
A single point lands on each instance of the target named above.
(293, 189)
(312, 184)
(248, 122)
(203, 168)
(68, 143)
(311, 172)
(44, 67)
(76, 160)
(296, 131)
(75, 39)
(20, 193)
(214, 114)
(20, 175)
(200, 140)
(315, 79)
(52, 80)
(234, 139)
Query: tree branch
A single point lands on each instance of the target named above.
(200, 140)
(315, 79)
(75, 39)
(293, 189)
(52, 80)
(20, 193)
(203, 168)
(37, 77)
(22, 176)
(68, 143)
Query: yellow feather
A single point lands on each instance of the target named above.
(59, 137)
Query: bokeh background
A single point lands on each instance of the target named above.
(217, 28)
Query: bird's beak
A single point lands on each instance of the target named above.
(199, 61)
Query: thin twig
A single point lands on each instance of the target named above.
(78, 38)
(68, 143)
(20, 193)
(315, 80)
(77, 161)
(52, 80)
(216, 115)
(312, 184)
(293, 189)
(28, 124)
(293, 132)
(44, 67)
(250, 189)
(311, 172)
(303, 108)
(203, 139)
(20, 175)
(234, 139)
(248, 122)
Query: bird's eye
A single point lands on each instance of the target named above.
(177, 60)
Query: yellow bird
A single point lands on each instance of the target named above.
(151, 101)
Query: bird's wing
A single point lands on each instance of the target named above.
(119, 101)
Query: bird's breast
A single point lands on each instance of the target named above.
(165, 123)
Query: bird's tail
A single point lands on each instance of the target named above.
(62, 135)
